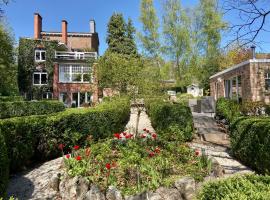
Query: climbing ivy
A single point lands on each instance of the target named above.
(27, 66)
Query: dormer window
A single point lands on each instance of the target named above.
(40, 55)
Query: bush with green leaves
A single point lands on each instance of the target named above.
(250, 142)
(134, 165)
(10, 98)
(4, 166)
(168, 118)
(26, 108)
(253, 187)
(228, 109)
(36, 137)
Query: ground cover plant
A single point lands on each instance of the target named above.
(136, 164)
(245, 187)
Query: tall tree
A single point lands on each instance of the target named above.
(130, 39)
(116, 34)
(149, 36)
(176, 30)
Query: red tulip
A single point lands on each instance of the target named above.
(154, 135)
(197, 152)
(68, 156)
(157, 150)
(108, 166)
(76, 147)
(151, 154)
(78, 158)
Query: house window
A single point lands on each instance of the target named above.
(74, 74)
(40, 78)
(267, 80)
(81, 98)
(47, 95)
(40, 55)
(233, 88)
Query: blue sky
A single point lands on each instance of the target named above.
(20, 16)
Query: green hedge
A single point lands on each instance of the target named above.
(174, 121)
(4, 166)
(250, 142)
(228, 109)
(253, 187)
(39, 136)
(10, 98)
(27, 108)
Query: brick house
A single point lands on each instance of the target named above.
(246, 81)
(71, 62)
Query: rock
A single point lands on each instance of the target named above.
(186, 186)
(217, 169)
(169, 193)
(154, 196)
(55, 181)
(113, 194)
(141, 196)
(94, 194)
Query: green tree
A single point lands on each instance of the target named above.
(8, 69)
(149, 36)
(176, 30)
(130, 39)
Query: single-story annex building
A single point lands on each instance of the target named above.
(247, 81)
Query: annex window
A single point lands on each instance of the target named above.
(267, 80)
(74, 74)
(40, 78)
(40, 55)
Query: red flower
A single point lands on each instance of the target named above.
(147, 131)
(78, 158)
(157, 150)
(87, 151)
(151, 154)
(68, 156)
(117, 135)
(144, 129)
(197, 152)
(61, 146)
(124, 133)
(143, 136)
(76, 147)
(108, 166)
(154, 135)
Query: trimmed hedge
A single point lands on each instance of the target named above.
(228, 109)
(38, 136)
(27, 108)
(10, 98)
(4, 166)
(170, 119)
(245, 187)
(250, 142)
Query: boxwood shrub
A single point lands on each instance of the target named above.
(4, 166)
(38, 136)
(26, 108)
(243, 187)
(228, 109)
(172, 121)
(10, 98)
(250, 142)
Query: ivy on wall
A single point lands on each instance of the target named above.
(27, 66)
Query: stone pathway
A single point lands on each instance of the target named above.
(214, 140)
(35, 183)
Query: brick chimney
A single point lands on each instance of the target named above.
(92, 26)
(37, 26)
(64, 31)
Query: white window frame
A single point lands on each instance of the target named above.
(40, 73)
(70, 73)
(40, 53)
(266, 77)
(79, 96)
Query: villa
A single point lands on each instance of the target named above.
(59, 65)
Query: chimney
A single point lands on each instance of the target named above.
(92, 26)
(64, 31)
(37, 26)
(253, 51)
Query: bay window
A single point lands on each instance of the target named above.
(74, 73)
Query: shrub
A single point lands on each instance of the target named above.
(10, 98)
(228, 109)
(250, 142)
(26, 108)
(171, 118)
(39, 136)
(253, 187)
(4, 166)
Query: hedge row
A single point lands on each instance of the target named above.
(174, 121)
(228, 109)
(31, 137)
(4, 166)
(251, 186)
(250, 142)
(10, 98)
(27, 108)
